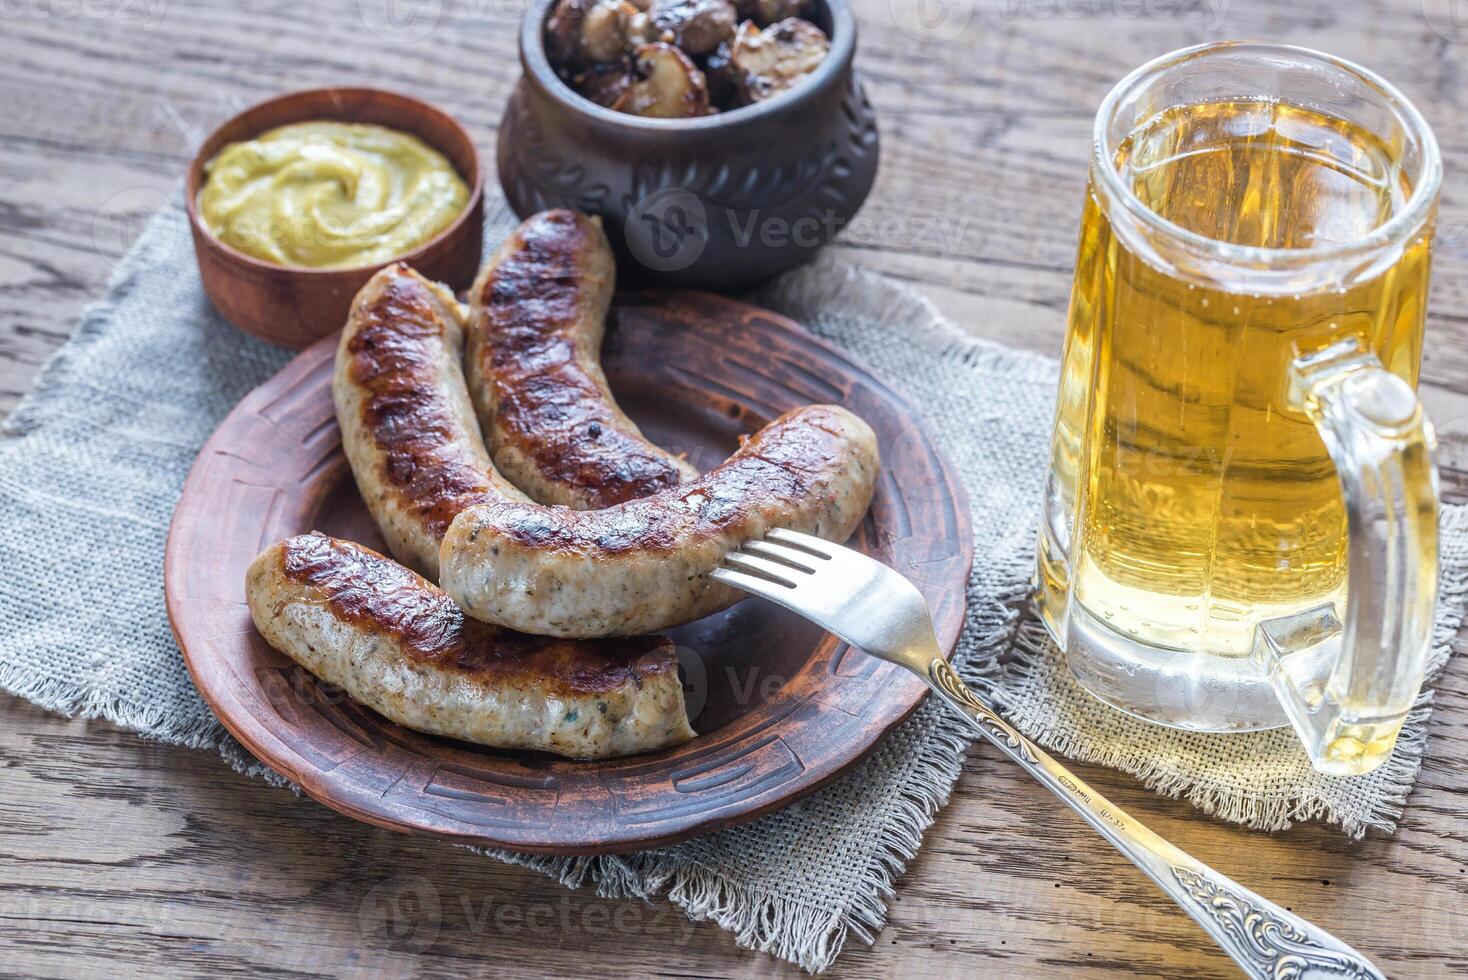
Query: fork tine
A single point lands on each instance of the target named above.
(752, 584)
(773, 570)
(808, 543)
(793, 557)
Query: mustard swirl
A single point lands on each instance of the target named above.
(329, 195)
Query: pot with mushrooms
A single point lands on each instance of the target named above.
(672, 59)
(722, 141)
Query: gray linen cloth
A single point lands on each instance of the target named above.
(94, 461)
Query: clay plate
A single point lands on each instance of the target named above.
(781, 707)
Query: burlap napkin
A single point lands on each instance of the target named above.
(97, 455)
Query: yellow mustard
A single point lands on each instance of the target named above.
(329, 195)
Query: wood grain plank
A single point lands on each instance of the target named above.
(119, 856)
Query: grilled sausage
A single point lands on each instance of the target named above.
(402, 647)
(643, 565)
(535, 372)
(408, 427)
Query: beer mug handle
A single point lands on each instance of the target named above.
(1347, 687)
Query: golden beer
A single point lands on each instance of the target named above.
(1208, 503)
(1250, 286)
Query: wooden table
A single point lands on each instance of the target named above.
(122, 856)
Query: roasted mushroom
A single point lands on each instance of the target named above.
(563, 33)
(639, 30)
(766, 12)
(606, 84)
(669, 85)
(722, 77)
(695, 26)
(604, 31)
(775, 59)
(680, 58)
(589, 32)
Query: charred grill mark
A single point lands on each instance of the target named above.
(537, 528)
(781, 464)
(394, 360)
(548, 404)
(371, 591)
(378, 595)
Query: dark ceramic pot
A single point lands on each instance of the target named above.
(718, 202)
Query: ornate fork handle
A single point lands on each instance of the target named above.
(1264, 939)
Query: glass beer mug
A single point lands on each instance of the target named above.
(1240, 521)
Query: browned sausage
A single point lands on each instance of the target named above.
(643, 565)
(535, 374)
(402, 647)
(408, 428)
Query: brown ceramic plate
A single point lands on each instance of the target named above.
(781, 706)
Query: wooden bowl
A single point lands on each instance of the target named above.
(294, 307)
(781, 707)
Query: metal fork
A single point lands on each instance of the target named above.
(875, 609)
